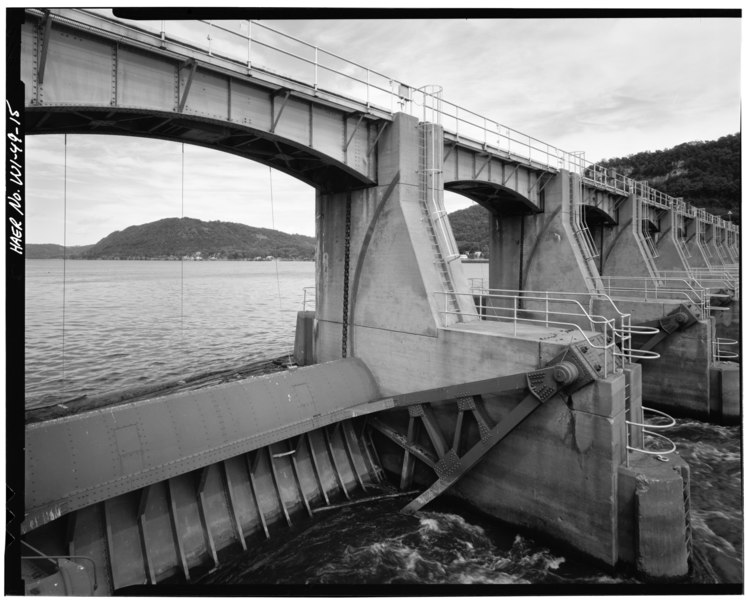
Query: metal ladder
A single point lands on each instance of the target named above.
(433, 216)
(582, 232)
(648, 214)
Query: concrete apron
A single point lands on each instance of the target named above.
(377, 286)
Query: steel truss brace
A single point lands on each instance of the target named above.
(282, 108)
(509, 177)
(191, 64)
(46, 25)
(567, 372)
(679, 319)
(538, 181)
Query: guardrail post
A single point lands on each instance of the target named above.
(515, 316)
(248, 57)
(315, 67)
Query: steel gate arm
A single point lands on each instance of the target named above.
(678, 319)
(567, 372)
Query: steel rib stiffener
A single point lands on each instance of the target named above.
(142, 443)
(566, 373)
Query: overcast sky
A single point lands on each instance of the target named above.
(609, 87)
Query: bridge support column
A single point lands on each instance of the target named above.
(685, 380)
(541, 252)
(669, 255)
(383, 270)
(624, 253)
(382, 298)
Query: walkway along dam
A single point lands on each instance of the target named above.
(522, 395)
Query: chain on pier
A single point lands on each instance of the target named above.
(346, 293)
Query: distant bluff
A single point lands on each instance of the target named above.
(186, 237)
(705, 174)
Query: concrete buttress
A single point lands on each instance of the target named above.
(384, 286)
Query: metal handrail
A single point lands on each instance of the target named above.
(309, 297)
(612, 333)
(623, 332)
(718, 354)
(485, 132)
(655, 288)
(645, 427)
(57, 558)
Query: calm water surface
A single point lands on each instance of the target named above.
(129, 323)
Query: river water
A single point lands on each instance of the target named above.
(130, 323)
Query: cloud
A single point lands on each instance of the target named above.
(607, 86)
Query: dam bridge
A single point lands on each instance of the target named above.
(522, 395)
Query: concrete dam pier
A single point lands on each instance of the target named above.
(525, 396)
(623, 241)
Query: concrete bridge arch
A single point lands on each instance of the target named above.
(498, 199)
(79, 81)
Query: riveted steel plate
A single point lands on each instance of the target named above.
(79, 70)
(146, 81)
(75, 461)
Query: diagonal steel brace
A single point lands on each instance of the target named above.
(543, 384)
(677, 320)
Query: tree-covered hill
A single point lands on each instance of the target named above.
(186, 237)
(54, 251)
(471, 228)
(706, 174)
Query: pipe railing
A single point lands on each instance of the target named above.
(719, 354)
(55, 560)
(708, 279)
(309, 298)
(658, 288)
(553, 309)
(477, 287)
(646, 427)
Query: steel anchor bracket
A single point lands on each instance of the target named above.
(685, 315)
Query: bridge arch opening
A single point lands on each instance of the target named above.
(597, 220)
(198, 310)
(309, 165)
(482, 205)
(470, 223)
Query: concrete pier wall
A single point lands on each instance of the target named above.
(623, 252)
(539, 252)
(672, 254)
(678, 381)
(521, 246)
(383, 300)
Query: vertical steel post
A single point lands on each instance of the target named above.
(248, 61)
(515, 316)
(315, 67)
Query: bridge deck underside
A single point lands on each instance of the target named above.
(500, 184)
